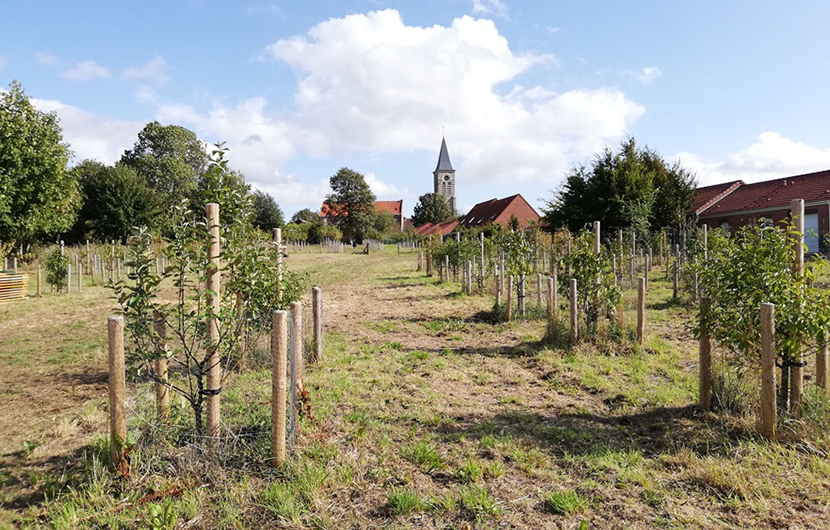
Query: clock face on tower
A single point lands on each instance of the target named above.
(446, 178)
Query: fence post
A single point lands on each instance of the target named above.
(596, 237)
(162, 391)
(68, 278)
(497, 282)
(278, 242)
(539, 289)
(574, 333)
(420, 260)
(705, 242)
(553, 301)
(769, 418)
(705, 355)
(797, 369)
(117, 384)
(675, 281)
(641, 310)
(295, 369)
(646, 268)
(80, 271)
(483, 263)
(39, 279)
(213, 382)
(279, 356)
(317, 316)
(509, 294)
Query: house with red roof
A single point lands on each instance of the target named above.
(393, 207)
(734, 204)
(439, 229)
(500, 211)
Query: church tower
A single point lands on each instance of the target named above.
(444, 176)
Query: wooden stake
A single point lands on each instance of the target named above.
(553, 298)
(278, 242)
(769, 418)
(539, 289)
(317, 317)
(509, 294)
(596, 237)
(420, 260)
(295, 368)
(214, 378)
(279, 356)
(68, 278)
(705, 356)
(497, 282)
(574, 333)
(796, 369)
(117, 390)
(641, 310)
(39, 279)
(162, 389)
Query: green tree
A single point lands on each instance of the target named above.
(38, 195)
(431, 208)
(116, 200)
(170, 158)
(633, 188)
(267, 213)
(304, 216)
(351, 204)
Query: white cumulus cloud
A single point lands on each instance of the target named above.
(770, 156)
(370, 82)
(86, 71)
(91, 135)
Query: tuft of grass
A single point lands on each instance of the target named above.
(469, 471)
(477, 503)
(404, 501)
(281, 499)
(566, 502)
(425, 455)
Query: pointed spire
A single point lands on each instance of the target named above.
(444, 163)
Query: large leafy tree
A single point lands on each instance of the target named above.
(267, 213)
(431, 208)
(38, 194)
(351, 204)
(632, 188)
(304, 216)
(170, 158)
(116, 200)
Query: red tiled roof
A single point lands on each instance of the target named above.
(500, 211)
(812, 187)
(709, 195)
(393, 207)
(443, 229)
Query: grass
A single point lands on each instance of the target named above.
(566, 502)
(426, 412)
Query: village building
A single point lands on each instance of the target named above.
(732, 205)
(500, 211)
(393, 207)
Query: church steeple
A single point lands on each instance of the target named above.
(444, 176)
(444, 163)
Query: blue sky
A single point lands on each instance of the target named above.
(522, 90)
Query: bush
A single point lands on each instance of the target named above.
(56, 264)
